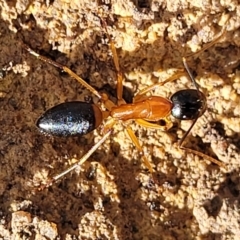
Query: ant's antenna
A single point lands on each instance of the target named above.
(189, 73)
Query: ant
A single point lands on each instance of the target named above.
(80, 118)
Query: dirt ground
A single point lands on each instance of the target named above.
(112, 195)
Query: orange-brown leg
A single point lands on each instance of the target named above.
(121, 101)
(103, 97)
(117, 66)
(146, 124)
(141, 93)
(83, 159)
(134, 139)
(108, 125)
(65, 69)
(181, 73)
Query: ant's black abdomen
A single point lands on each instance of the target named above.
(188, 104)
(70, 119)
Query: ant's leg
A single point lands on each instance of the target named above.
(189, 73)
(208, 45)
(108, 126)
(146, 124)
(103, 97)
(139, 147)
(200, 154)
(180, 74)
(116, 64)
(156, 85)
(77, 164)
(65, 69)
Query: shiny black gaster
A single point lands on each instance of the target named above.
(68, 119)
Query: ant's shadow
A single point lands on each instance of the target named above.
(113, 193)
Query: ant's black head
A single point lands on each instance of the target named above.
(188, 104)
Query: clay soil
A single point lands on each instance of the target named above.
(112, 195)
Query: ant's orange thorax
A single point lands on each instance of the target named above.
(152, 108)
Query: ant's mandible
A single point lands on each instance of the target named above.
(80, 118)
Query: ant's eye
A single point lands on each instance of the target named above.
(162, 122)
